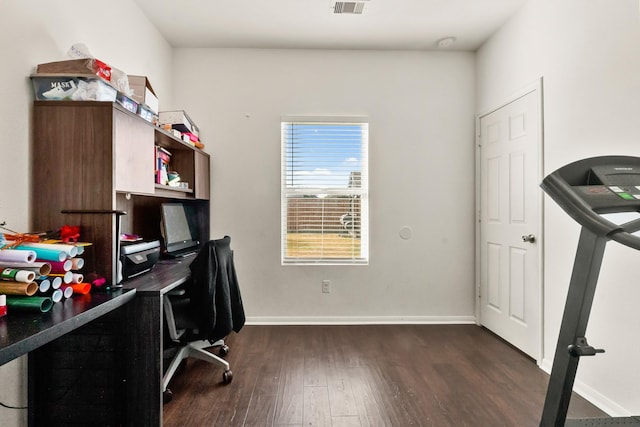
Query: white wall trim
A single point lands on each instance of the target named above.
(357, 320)
(591, 395)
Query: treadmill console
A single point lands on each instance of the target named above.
(599, 185)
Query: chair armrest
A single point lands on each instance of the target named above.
(176, 292)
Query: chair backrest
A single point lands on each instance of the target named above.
(214, 292)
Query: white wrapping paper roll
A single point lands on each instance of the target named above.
(12, 255)
(18, 275)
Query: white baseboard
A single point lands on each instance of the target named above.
(357, 320)
(591, 395)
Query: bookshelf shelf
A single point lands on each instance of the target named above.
(161, 188)
(112, 150)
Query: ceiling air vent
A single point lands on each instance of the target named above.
(353, 7)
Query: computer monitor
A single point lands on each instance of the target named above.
(179, 232)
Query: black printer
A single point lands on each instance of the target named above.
(138, 257)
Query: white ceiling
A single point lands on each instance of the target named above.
(311, 24)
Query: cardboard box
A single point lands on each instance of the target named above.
(74, 88)
(178, 120)
(77, 67)
(143, 93)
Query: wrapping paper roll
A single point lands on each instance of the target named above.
(44, 254)
(43, 285)
(70, 250)
(67, 291)
(61, 267)
(18, 288)
(56, 282)
(77, 263)
(15, 255)
(38, 304)
(81, 288)
(77, 278)
(56, 295)
(16, 275)
(66, 276)
(40, 268)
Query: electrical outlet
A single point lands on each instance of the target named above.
(326, 286)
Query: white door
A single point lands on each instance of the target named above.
(509, 221)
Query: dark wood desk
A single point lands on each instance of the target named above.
(146, 337)
(97, 359)
(41, 335)
(21, 333)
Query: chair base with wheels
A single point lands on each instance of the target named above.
(173, 303)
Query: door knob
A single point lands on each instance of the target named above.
(530, 238)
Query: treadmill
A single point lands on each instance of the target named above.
(586, 189)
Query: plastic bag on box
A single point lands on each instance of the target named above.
(111, 74)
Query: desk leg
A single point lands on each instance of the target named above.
(144, 361)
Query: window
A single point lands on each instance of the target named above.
(325, 191)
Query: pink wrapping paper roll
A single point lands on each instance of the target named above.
(61, 267)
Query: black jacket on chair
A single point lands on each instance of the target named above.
(214, 292)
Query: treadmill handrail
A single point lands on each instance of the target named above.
(556, 187)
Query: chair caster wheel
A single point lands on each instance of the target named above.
(167, 396)
(227, 377)
(224, 350)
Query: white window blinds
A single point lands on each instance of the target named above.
(325, 191)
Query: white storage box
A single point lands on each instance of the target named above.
(178, 120)
(74, 88)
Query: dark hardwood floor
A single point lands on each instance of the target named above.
(343, 376)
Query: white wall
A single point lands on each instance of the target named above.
(588, 53)
(38, 31)
(420, 107)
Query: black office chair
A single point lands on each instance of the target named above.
(205, 310)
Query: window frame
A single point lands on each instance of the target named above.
(362, 191)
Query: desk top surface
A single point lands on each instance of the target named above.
(22, 332)
(164, 276)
